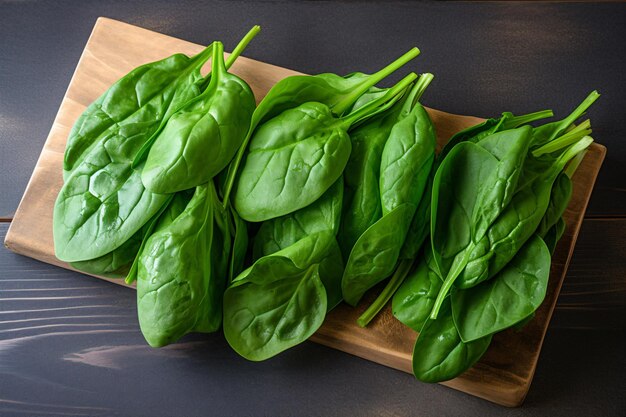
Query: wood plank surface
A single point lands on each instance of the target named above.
(114, 48)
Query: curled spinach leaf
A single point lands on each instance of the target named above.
(279, 301)
(179, 288)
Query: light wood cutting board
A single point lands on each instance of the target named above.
(503, 375)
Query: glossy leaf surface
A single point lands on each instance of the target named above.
(506, 299)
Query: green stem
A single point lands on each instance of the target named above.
(420, 86)
(242, 45)
(416, 93)
(392, 286)
(561, 142)
(572, 152)
(447, 283)
(345, 103)
(578, 111)
(517, 121)
(217, 68)
(575, 163)
(381, 103)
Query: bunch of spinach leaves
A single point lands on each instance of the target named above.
(498, 197)
(167, 173)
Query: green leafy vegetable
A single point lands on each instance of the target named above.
(279, 301)
(472, 186)
(135, 106)
(509, 297)
(179, 287)
(338, 93)
(439, 352)
(296, 156)
(406, 162)
(214, 122)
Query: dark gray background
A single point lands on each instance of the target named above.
(70, 345)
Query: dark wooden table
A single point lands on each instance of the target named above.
(70, 344)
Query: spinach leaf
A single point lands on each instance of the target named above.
(519, 220)
(279, 301)
(321, 216)
(473, 184)
(440, 354)
(178, 289)
(338, 93)
(554, 234)
(406, 162)
(420, 224)
(135, 105)
(361, 205)
(559, 199)
(376, 253)
(216, 121)
(296, 156)
(509, 297)
(415, 298)
(117, 263)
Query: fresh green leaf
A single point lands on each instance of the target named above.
(510, 296)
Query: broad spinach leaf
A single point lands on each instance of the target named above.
(135, 104)
(473, 184)
(506, 299)
(296, 156)
(279, 301)
(215, 122)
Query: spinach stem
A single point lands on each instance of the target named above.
(572, 152)
(242, 45)
(381, 103)
(517, 121)
(217, 64)
(392, 286)
(575, 163)
(563, 141)
(416, 92)
(345, 103)
(578, 111)
(447, 283)
(420, 86)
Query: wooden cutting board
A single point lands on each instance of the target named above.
(503, 375)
